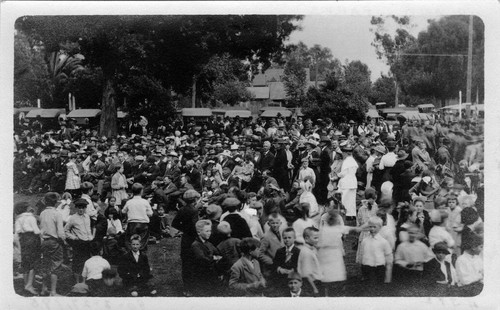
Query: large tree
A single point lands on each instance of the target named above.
(332, 101)
(31, 77)
(356, 78)
(170, 50)
(433, 66)
(383, 90)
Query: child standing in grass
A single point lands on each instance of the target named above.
(28, 233)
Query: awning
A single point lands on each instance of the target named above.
(393, 111)
(414, 115)
(274, 113)
(196, 112)
(425, 106)
(240, 113)
(24, 110)
(479, 107)
(45, 113)
(84, 113)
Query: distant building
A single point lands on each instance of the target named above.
(268, 87)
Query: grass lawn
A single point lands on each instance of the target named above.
(167, 271)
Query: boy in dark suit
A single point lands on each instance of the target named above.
(286, 258)
(134, 269)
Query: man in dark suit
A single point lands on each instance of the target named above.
(324, 169)
(266, 161)
(205, 256)
(135, 271)
(281, 166)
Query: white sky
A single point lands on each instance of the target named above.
(349, 37)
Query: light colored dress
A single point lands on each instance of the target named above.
(72, 176)
(119, 185)
(363, 216)
(348, 185)
(331, 253)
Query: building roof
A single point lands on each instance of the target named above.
(84, 113)
(277, 91)
(199, 112)
(45, 113)
(259, 92)
(274, 113)
(259, 80)
(240, 113)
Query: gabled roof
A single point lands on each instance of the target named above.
(277, 91)
(274, 75)
(259, 80)
(259, 92)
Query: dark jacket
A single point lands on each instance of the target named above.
(133, 272)
(280, 259)
(239, 227)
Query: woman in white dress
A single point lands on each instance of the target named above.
(348, 182)
(72, 176)
(331, 253)
(119, 185)
(308, 197)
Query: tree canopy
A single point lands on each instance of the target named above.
(158, 53)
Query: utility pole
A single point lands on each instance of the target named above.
(469, 68)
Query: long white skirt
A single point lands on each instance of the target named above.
(349, 201)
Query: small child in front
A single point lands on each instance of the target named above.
(134, 269)
(377, 259)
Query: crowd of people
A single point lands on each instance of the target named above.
(262, 207)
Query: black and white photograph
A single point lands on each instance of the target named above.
(333, 151)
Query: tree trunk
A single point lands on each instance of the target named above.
(108, 116)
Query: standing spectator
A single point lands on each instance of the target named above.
(53, 238)
(138, 212)
(119, 185)
(377, 259)
(28, 234)
(308, 265)
(205, 256)
(348, 182)
(185, 221)
(72, 176)
(270, 243)
(246, 278)
(331, 254)
(79, 235)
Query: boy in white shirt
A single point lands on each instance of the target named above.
(377, 259)
(94, 266)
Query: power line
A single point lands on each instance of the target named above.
(436, 55)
